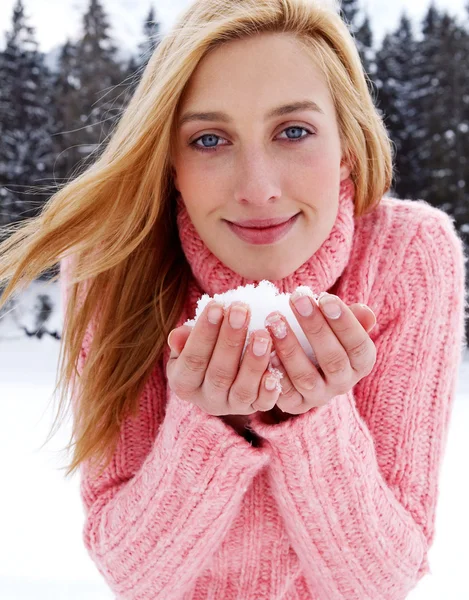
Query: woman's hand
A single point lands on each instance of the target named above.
(342, 346)
(363, 315)
(207, 369)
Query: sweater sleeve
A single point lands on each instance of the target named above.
(160, 510)
(356, 480)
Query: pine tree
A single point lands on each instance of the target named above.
(456, 83)
(67, 112)
(26, 122)
(349, 11)
(442, 79)
(99, 78)
(462, 212)
(152, 37)
(395, 80)
(362, 34)
(136, 65)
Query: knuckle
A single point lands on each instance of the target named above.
(298, 410)
(195, 363)
(361, 350)
(252, 368)
(289, 392)
(288, 353)
(220, 378)
(263, 405)
(307, 381)
(242, 395)
(368, 359)
(182, 389)
(232, 343)
(292, 403)
(336, 364)
(317, 329)
(343, 329)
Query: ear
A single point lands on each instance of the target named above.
(345, 170)
(175, 178)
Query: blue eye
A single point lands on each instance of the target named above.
(206, 135)
(217, 137)
(298, 128)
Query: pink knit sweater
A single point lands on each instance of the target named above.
(336, 503)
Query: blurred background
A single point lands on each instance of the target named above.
(67, 71)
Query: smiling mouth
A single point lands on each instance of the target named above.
(262, 223)
(265, 235)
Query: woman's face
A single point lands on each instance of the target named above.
(247, 162)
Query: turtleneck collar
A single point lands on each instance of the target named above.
(320, 272)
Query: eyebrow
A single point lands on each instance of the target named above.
(280, 111)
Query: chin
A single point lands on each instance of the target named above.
(260, 272)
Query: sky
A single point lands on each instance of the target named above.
(54, 20)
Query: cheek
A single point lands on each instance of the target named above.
(199, 178)
(200, 190)
(312, 172)
(319, 157)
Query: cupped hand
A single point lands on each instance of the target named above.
(352, 327)
(207, 369)
(344, 350)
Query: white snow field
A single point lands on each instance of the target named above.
(42, 556)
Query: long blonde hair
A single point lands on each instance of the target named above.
(117, 219)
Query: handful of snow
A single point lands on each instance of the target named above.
(262, 300)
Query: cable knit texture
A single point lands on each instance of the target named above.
(336, 503)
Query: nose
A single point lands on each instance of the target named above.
(256, 179)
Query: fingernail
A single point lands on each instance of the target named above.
(274, 361)
(329, 305)
(302, 304)
(270, 383)
(260, 346)
(369, 310)
(238, 315)
(169, 339)
(215, 314)
(275, 322)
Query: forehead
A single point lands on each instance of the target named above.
(253, 70)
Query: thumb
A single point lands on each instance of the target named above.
(365, 315)
(177, 339)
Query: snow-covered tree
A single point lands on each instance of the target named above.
(26, 122)
(98, 77)
(360, 28)
(137, 64)
(152, 37)
(396, 69)
(423, 94)
(67, 112)
(442, 80)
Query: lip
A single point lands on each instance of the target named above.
(262, 223)
(266, 235)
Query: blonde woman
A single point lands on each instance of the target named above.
(252, 150)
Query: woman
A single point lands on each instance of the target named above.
(335, 495)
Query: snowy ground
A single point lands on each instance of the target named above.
(42, 556)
